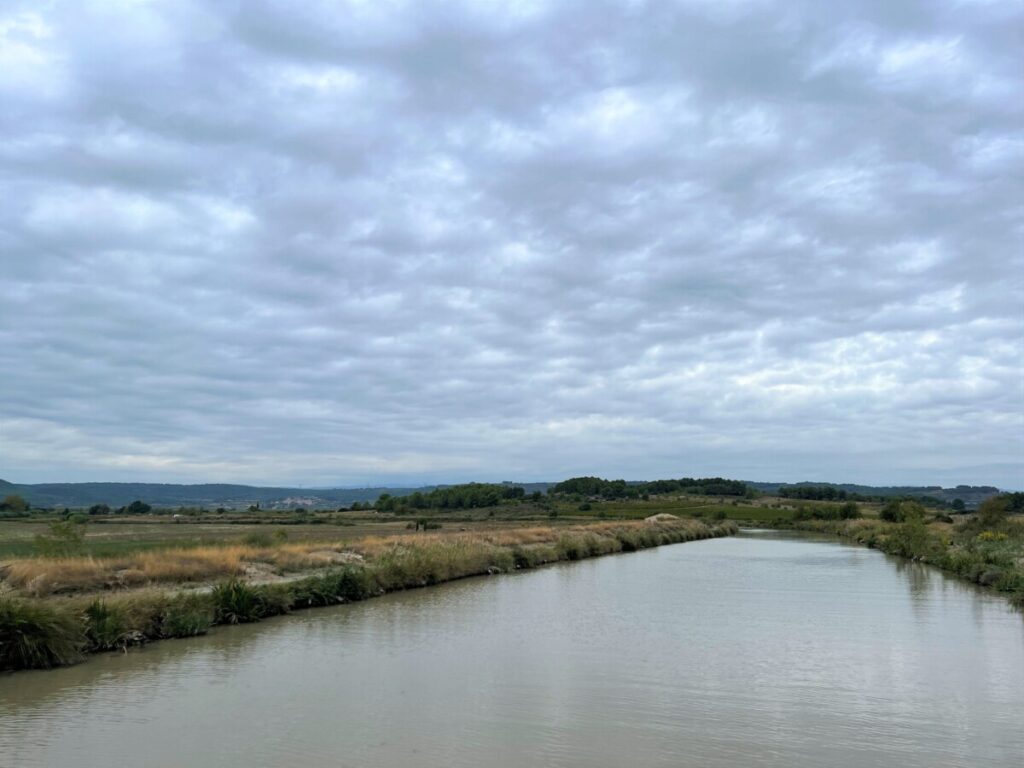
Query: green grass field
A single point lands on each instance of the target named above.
(111, 536)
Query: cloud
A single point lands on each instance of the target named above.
(403, 242)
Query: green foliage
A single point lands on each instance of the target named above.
(813, 492)
(37, 635)
(65, 539)
(847, 511)
(274, 599)
(235, 602)
(187, 615)
(913, 539)
(14, 503)
(901, 510)
(466, 496)
(99, 509)
(106, 627)
(993, 512)
(340, 586)
(596, 487)
(138, 508)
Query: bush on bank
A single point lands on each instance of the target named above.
(37, 633)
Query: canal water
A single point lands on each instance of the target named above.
(763, 649)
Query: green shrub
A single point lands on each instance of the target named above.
(106, 627)
(569, 547)
(35, 635)
(340, 586)
(274, 599)
(235, 602)
(187, 615)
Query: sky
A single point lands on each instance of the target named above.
(329, 243)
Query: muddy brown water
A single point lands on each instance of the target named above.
(763, 649)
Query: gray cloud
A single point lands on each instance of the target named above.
(334, 244)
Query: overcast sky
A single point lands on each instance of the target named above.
(327, 244)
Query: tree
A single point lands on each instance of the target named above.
(992, 512)
(891, 512)
(138, 508)
(1014, 502)
(901, 511)
(958, 505)
(14, 503)
(849, 511)
(99, 509)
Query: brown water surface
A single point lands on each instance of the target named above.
(763, 649)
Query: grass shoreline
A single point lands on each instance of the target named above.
(983, 558)
(45, 630)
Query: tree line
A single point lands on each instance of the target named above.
(596, 487)
(465, 496)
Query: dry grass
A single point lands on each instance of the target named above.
(449, 556)
(47, 576)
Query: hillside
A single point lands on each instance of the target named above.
(208, 494)
(240, 496)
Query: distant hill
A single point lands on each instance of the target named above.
(971, 495)
(209, 494)
(241, 496)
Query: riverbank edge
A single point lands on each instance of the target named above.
(996, 576)
(41, 633)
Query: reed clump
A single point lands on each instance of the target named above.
(35, 635)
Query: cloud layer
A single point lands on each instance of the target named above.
(341, 244)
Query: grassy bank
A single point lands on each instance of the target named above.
(38, 631)
(987, 553)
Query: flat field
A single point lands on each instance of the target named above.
(114, 536)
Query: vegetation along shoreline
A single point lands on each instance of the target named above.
(986, 549)
(39, 629)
